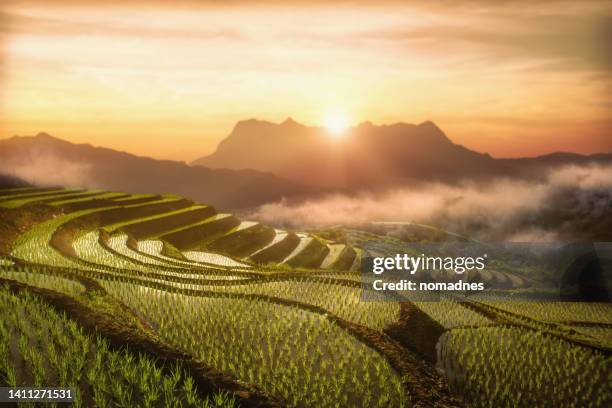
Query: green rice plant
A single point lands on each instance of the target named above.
(36, 192)
(350, 276)
(100, 196)
(6, 262)
(17, 190)
(155, 249)
(136, 196)
(89, 248)
(502, 366)
(603, 334)
(165, 218)
(289, 356)
(67, 357)
(450, 313)
(33, 245)
(558, 311)
(243, 240)
(211, 258)
(27, 199)
(343, 301)
(199, 233)
(32, 277)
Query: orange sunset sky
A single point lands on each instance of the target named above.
(170, 79)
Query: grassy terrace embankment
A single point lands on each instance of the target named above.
(5, 192)
(244, 242)
(345, 259)
(159, 224)
(116, 212)
(311, 256)
(278, 251)
(197, 234)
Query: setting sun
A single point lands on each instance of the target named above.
(336, 125)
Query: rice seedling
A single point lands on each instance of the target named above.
(300, 357)
(498, 366)
(603, 334)
(214, 259)
(155, 250)
(343, 301)
(118, 243)
(41, 280)
(35, 193)
(89, 248)
(101, 196)
(53, 351)
(18, 190)
(558, 311)
(33, 245)
(189, 236)
(160, 223)
(17, 202)
(450, 314)
(6, 262)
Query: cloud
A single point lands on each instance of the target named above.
(27, 24)
(41, 167)
(570, 203)
(553, 40)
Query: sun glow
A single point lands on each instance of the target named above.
(336, 125)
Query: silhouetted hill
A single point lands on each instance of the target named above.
(44, 159)
(526, 166)
(366, 156)
(9, 181)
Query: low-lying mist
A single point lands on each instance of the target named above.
(44, 168)
(569, 203)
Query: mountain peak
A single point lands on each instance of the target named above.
(289, 122)
(432, 130)
(44, 137)
(252, 123)
(428, 124)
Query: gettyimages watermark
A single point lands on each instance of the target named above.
(509, 271)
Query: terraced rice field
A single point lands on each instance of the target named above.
(54, 350)
(265, 354)
(531, 369)
(159, 301)
(451, 314)
(559, 312)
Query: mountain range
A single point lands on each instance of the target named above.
(262, 162)
(46, 160)
(369, 156)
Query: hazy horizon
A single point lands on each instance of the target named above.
(169, 80)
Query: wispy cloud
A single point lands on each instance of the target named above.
(84, 69)
(34, 25)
